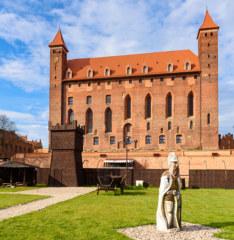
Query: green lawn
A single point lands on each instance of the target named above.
(8, 200)
(93, 217)
(18, 189)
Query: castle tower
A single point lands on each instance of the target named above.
(208, 57)
(58, 65)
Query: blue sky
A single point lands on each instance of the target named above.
(99, 28)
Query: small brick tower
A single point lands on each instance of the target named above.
(208, 57)
(66, 163)
(58, 65)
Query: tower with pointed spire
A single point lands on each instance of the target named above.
(208, 58)
(58, 65)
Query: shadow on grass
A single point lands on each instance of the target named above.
(133, 193)
(128, 193)
(221, 224)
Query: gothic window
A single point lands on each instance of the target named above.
(169, 105)
(88, 99)
(70, 116)
(148, 139)
(208, 119)
(70, 101)
(191, 124)
(89, 121)
(169, 125)
(162, 139)
(178, 139)
(148, 106)
(108, 99)
(108, 120)
(148, 126)
(190, 104)
(170, 67)
(126, 133)
(127, 107)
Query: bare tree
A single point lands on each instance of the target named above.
(6, 123)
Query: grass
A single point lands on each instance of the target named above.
(20, 188)
(92, 217)
(8, 200)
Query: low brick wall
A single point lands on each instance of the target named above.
(211, 178)
(150, 176)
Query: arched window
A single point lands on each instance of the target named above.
(190, 104)
(69, 73)
(129, 70)
(169, 105)
(148, 106)
(187, 66)
(108, 120)
(127, 107)
(191, 124)
(107, 72)
(90, 73)
(145, 69)
(70, 116)
(89, 121)
(127, 133)
(169, 125)
(208, 119)
(170, 67)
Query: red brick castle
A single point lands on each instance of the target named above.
(160, 100)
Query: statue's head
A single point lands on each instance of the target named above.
(173, 164)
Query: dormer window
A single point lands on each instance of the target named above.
(90, 73)
(129, 70)
(69, 73)
(145, 69)
(170, 67)
(107, 72)
(187, 66)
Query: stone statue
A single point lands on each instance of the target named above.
(169, 199)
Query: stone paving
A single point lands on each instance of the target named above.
(189, 232)
(57, 195)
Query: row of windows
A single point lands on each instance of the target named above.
(88, 100)
(161, 140)
(108, 120)
(128, 105)
(130, 70)
(140, 80)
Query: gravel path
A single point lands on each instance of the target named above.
(57, 195)
(189, 232)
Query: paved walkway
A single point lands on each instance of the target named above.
(59, 194)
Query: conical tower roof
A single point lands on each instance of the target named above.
(208, 23)
(58, 41)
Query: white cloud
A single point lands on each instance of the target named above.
(23, 74)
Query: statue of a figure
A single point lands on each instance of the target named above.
(169, 200)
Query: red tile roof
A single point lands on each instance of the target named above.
(156, 62)
(208, 23)
(58, 41)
